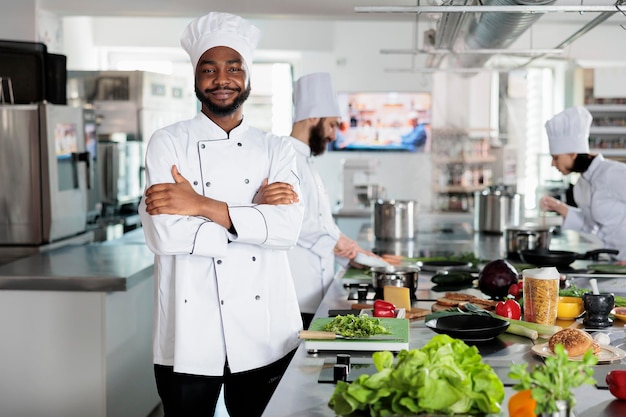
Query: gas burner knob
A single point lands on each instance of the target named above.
(340, 373)
(343, 359)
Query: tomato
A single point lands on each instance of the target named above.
(515, 290)
(509, 308)
(616, 381)
(384, 309)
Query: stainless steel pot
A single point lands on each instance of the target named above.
(395, 219)
(526, 238)
(496, 208)
(396, 276)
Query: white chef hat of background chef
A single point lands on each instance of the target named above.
(314, 96)
(568, 131)
(220, 29)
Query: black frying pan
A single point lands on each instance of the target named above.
(560, 258)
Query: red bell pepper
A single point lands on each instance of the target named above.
(509, 308)
(616, 380)
(384, 309)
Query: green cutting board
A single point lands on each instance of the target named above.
(358, 274)
(398, 327)
(607, 268)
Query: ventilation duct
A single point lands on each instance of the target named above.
(493, 30)
(450, 26)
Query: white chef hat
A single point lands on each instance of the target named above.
(220, 29)
(313, 96)
(568, 131)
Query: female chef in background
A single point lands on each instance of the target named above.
(600, 192)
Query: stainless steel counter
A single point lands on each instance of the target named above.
(109, 266)
(299, 394)
(77, 331)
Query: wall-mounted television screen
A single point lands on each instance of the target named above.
(392, 121)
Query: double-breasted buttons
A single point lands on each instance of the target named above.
(208, 183)
(219, 261)
(257, 297)
(202, 146)
(239, 144)
(254, 259)
(247, 181)
(195, 183)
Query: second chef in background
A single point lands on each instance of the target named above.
(321, 243)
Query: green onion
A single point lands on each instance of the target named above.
(545, 330)
(541, 329)
(515, 328)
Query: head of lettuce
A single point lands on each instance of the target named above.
(446, 376)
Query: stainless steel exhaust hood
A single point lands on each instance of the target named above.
(469, 30)
(493, 31)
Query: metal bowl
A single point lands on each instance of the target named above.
(396, 276)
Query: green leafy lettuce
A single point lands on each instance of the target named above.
(446, 376)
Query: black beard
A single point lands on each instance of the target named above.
(219, 110)
(317, 141)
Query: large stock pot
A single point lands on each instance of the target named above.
(395, 219)
(497, 207)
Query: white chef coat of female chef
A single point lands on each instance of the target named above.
(312, 259)
(601, 199)
(233, 295)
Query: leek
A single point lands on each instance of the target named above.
(545, 330)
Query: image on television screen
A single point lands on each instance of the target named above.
(391, 121)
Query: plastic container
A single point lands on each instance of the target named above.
(541, 295)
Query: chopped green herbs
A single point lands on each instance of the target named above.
(573, 291)
(355, 326)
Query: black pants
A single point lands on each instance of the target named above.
(307, 318)
(246, 394)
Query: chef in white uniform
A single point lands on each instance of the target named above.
(226, 311)
(599, 193)
(321, 244)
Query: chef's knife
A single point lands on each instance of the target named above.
(321, 335)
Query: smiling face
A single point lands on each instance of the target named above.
(564, 162)
(222, 82)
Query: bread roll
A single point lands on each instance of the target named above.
(576, 342)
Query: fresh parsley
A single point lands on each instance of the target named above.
(554, 379)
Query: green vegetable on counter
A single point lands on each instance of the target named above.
(518, 327)
(545, 330)
(355, 326)
(554, 380)
(446, 376)
(574, 291)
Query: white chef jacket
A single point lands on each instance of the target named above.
(600, 194)
(220, 295)
(312, 260)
